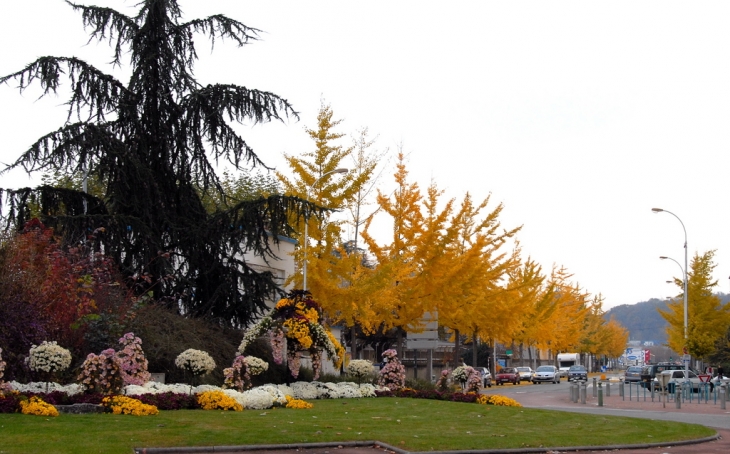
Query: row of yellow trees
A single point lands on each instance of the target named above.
(444, 256)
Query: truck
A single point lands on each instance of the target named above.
(565, 360)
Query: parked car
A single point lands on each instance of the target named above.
(525, 373)
(486, 376)
(650, 371)
(546, 374)
(508, 375)
(632, 374)
(577, 372)
(678, 377)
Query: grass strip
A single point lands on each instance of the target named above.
(411, 424)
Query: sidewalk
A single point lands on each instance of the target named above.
(709, 414)
(636, 399)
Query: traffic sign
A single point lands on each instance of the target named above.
(686, 357)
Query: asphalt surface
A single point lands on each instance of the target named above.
(550, 397)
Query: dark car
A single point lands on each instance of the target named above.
(577, 372)
(650, 371)
(632, 374)
(508, 375)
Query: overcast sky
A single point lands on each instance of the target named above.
(578, 116)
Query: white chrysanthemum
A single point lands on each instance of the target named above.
(254, 332)
(360, 368)
(257, 399)
(197, 362)
(48, 357)
(156, 387)
(286, 389)
(304, 390)
(40, 387)
(237, 396)
(348, 390)
(136, 390)
(325, 390)
(277, 394)
(203, 388)
(367, 390)
(255, 366)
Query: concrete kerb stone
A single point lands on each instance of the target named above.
(271, 447)
(379, 445)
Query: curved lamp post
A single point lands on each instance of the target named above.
(684, 273)
(306, 222)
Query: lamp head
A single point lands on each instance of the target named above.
(663, 257)
(657, 210)
(341, 170)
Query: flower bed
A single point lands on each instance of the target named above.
(180, 396)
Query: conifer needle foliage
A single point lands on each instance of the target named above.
(152, 142)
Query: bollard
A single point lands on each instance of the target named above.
(583, 392)
(678, 395)
(600, 395)
(621, 390)
(574, 392)
(608, 389)
(723, 392)
(595, 387)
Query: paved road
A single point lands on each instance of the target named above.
(557, 397)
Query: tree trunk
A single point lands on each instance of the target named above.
(457, 356)
(475, 346)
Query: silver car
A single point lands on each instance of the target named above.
(486, 376)
(525, 373)
(546, 374)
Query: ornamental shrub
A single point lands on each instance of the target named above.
(197, 362)
(48, 357)
(101, 373)
(360, 369)
(132, 361)
(393, 374)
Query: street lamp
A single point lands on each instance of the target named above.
(306, 222)
(659, 210)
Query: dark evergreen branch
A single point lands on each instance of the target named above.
(223, 27)
(93, 90)
(108, 24)
(73, 147)
(205, 113)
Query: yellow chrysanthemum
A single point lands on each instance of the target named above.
(282, 303)
(123, 405)
(218, 400)
(297, 403)
(498, 400)
(36, 406)
(299, 331)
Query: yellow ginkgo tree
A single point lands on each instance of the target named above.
(708, 320)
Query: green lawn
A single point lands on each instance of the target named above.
(411, 424)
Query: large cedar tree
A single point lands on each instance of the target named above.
(152, 143)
